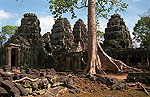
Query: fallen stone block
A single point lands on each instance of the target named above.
(9, 78)
(49, 76)
(1, 70)
(46, 82)
(57, 84)
(16, 76)
(69, 83)
(28, 71)
(115, 81)
(42, 74)
(32, 76)
(29, 90)
(3, 92)
(42, 70)
(15, 92)
(36, 72)
(18, 69)
(23, 71)
(7, 74)
(27, 83)
(35, 85)
(109, 81)
(122, 86)
(52, 72)
(54, 91)
(6, 84)
(112, 81)
(6, 68)
(81, 75)
(1, 79)
(13, 69)
(41, 92)
(21, 89)
(41, 84)
(118, 86)
(101, 78)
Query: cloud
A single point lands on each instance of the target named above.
(5, 16)
(103, 24)
(18, 22)
(136, 0)
(46, 23)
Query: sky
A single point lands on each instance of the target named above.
(12, 11)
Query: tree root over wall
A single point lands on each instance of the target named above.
(102, 62)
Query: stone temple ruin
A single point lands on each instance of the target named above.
(59, 49)
(117, 34)
(118, 44)
(65, 49)
(24, 47)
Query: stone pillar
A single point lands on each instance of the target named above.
(147, 61)
(74, 63)
(71, 65)
(79, 62)
(68, 63)
(8, 57)
(128, 61)
(142, 61)
(18, 57)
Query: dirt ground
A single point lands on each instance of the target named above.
(124, 76)
(94, 89)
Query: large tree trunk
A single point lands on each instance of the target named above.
(99, 61)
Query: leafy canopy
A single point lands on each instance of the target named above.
(6, 32)
(142, 32)
(103, 7)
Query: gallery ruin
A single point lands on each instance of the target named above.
(65, 49)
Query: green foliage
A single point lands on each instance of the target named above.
(6, 32)
(103, 7)
(142, 32)
(100, 34)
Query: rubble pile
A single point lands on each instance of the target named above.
(48, 82)
(32, 82)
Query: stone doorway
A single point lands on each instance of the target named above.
(14, 57)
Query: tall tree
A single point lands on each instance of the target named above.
(141, 31)
(6, 32)
(98, 61)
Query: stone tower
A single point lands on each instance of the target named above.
(61, 42)
(24, 48)
(30, 27)
(117, 35)
(62, 36)
(80, 35)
